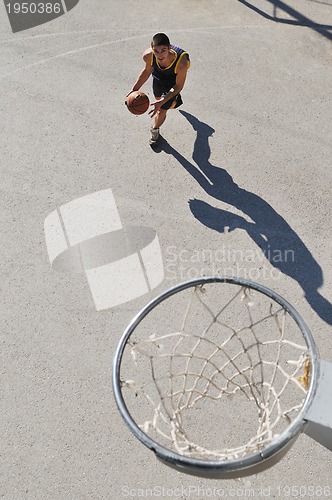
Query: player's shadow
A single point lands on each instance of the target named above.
(277, 240)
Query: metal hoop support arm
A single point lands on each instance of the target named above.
(319, 415)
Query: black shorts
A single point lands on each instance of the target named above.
(160, 90)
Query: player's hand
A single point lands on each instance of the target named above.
(156, 107)
(128, 95)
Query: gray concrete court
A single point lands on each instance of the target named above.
(243, 172)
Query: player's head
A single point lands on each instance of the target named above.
(160, 45)
(160, 39)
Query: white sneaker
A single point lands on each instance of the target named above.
(154, 135)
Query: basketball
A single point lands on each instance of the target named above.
(137, 103)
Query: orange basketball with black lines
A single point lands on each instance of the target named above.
(137, 102)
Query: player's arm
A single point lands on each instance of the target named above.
(145, 73)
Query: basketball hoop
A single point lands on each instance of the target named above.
(218, 377)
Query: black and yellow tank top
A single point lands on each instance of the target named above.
(168, 75)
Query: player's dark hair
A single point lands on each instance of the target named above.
(160, 39)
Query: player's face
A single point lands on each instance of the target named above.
(161, 52)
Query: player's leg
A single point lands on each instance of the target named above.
(160, 116)
(158, 91)
(158, 120)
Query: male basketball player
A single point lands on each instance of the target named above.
(168, 65)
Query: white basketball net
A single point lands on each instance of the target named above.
(221, 392)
